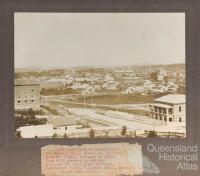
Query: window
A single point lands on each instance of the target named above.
(18, 101)
(32, 90)
(25, 101)
(180, 120)
(170, 119)
(156, 117)
(164, 111)
(160, 117)
(160, 110)
(165, 118)
(32, 100)
(65, 128)
(179, 108)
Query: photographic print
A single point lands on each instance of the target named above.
(99, 75)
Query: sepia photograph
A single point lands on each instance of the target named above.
(99, 75)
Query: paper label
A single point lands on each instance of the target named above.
(92, 160)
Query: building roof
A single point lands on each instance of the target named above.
(123, 71)
(25, 82)
(36, 130)
(62, 120)
(172, 99)
(55, 80)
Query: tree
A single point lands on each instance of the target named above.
(18, 135)
(55, 135)
(31, 112)
(91, 133)
(152, 134)
(124, 131)
(166, 79)
(86, 125)
(106, 133)
(132, 133)
(65, 136)
(153, 76)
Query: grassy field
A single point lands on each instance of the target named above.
(118, 99)
(111, 100)
(140, 112)
(130, 111)
(51, 110)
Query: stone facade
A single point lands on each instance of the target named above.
(168, 111)
(27, 95)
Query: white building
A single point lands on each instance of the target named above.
(53, 83)
(128, 76)
(134, 89)
(170, 109)
(148, 85)
(109, 79)
(172, 87)
(83, 80)
(27, 94)
(161, 74)
(83, 88)
(40, 131)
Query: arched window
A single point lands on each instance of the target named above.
(179, 108)
(170, 119)
(180, 120)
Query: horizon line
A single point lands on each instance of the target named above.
(100, 66)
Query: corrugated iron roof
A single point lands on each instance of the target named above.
(172, 99)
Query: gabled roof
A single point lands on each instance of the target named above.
(25, 82)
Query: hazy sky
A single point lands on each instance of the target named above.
(99, 39)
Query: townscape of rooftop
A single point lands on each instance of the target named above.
(114, 101)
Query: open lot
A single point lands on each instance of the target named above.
(117, 99)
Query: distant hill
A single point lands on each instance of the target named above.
(179, 66)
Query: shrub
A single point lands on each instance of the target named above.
(124, 131)
(152, 134)
(91, 133)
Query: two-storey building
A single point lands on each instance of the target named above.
(169, 109)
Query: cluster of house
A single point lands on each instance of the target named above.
(170, 109)
(27, 91)
(125, 81)
(151, 87)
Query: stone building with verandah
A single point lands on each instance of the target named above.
(170, 109)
